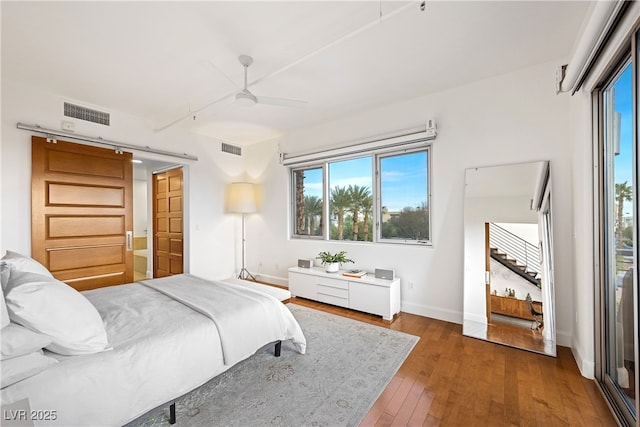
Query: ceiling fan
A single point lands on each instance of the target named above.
(246, 97)
(243, 97)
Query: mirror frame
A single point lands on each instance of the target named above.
(495, 194)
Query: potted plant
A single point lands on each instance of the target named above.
(332, 262)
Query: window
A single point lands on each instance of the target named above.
(351, 199)
(308, 197)
(617, 233)
(382, 196)
(403, 195)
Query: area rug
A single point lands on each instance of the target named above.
(347, 366)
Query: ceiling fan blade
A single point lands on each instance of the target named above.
(218, 70)
(281, 102)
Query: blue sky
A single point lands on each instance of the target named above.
(623, 167)
(404, 179)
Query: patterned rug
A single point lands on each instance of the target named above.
(347, 365)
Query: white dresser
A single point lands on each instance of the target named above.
(368, 294)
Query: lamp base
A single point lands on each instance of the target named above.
(244, 275)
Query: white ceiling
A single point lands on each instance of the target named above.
(163, 61)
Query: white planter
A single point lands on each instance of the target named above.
(332, 267)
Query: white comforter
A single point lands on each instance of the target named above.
(161, 350)
(245, 318)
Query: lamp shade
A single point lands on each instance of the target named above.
(241, 197)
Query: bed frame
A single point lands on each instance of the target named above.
(172, 407)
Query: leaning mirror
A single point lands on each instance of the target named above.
(508, 254)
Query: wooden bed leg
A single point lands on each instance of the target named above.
(172, 413)
(278, 348)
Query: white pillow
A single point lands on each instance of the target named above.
(50, 307)
(24, 263)
(17, 340)
(19, 368)
(4, 278)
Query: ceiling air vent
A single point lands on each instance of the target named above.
(228, 148)
(86, 114)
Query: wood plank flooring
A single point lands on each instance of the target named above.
(452, 380)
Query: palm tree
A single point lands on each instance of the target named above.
(299, 178)
(340, 200)
(312, 209)
(358, 194)
(624, 193)
(367, 208)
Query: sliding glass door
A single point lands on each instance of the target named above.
(618, 236)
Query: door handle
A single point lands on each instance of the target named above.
(129, 236)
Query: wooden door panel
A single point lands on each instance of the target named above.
(75, 258)
(84, 226)
(161, 205)
(175, 204)
(97, 280)
(162, 225)
(84, 195)
(83, 164)
(176, 247)
(168, 221)
(175, 182)
(82, 207)
(176, 265)
(175, 225)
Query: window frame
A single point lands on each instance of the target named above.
(293, 202)
(378, 196)
(376, 155)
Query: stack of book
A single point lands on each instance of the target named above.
(354, 273)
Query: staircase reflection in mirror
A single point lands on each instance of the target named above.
(508, 253)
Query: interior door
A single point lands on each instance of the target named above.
(168, 223)
(82, 213)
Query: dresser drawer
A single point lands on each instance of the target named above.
(333, 283)
(332, 299)
(336, 292)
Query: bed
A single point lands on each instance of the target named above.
(162, 339)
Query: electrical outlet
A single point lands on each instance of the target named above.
(410, 285)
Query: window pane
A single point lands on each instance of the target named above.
(308, 201)
(351, 199)
(404, 202)
(618, 235)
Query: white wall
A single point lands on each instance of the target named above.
(140, 207)
(507, 119)
(210, 248)
(502, 278)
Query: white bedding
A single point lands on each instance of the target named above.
(161, 349)
(246, 318)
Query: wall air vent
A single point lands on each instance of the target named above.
(86, 114)
(232, 149)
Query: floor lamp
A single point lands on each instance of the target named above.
(242, 200)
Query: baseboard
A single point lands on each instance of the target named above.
(432, 312)
(474, 318)
(275, 280)
(586, 367)
(563, 338)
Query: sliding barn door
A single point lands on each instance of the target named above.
(167, 223)
(82, 213)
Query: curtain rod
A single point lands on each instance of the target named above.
(98, 140)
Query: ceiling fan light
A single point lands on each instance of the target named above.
(245, 99)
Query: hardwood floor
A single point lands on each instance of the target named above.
(452, 380)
